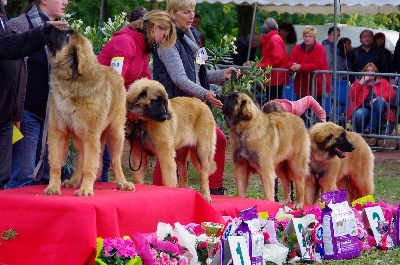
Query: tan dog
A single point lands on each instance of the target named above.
(171, 130)
(339, 160)
(87, 101)
(260, 141)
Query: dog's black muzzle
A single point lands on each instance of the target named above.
(55, 38)
(230, 101)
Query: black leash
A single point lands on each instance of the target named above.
(131, 136)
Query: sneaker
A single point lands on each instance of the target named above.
(218, 191)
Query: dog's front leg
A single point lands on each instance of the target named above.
(57, 143)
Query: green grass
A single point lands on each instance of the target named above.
(387, 188)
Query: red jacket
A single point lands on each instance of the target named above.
(273, 54)
(358, 93)
(311, 60)
(130, 45)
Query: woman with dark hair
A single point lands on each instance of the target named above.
(344, 51)
(379, 40)
(288, 34)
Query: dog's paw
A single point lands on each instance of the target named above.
(84, 192)
(69, 183)
(298, 206)
(285, 202)
(126, 186)
(52, 190)
(207, 197)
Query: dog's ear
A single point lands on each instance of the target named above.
(75, 63)
(245, 111)
(168, 110)
(322, 140)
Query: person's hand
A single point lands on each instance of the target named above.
(17, 124)
(295, 67)
(366, 79)
(228, 72)
(212, 98)
(59, 24)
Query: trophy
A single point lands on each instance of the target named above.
(212, 230)
(306, 233)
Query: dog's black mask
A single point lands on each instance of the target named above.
(341, 146)
(229, 102)
(158, 109)
(55, 38)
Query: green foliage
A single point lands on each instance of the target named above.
(217, 20)
(99, 36)
(70, 159)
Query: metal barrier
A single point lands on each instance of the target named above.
(334, 102)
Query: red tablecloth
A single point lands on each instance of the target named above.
(63, 229)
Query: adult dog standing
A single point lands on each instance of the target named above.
(87, 101)
(339, 160)
(260, 141)
(171, 130)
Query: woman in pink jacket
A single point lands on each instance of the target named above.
(307, 57)
(273, 53)
(369, 98)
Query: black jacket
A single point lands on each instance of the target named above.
(160, 72)
(13, 47)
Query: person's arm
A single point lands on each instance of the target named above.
(309, 102)
(273, 53)
(17, 46)
(355, 90)
(388, 92)
(329, 54)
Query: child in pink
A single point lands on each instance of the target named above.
(297, 107)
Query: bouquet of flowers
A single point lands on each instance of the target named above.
(117, 251)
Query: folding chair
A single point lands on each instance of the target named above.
(288, 91)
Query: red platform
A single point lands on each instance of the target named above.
(63, 229)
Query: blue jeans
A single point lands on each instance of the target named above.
(6, 131)
(106, 165)
(370, 118)
(26, 153)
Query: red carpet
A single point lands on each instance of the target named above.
(63, 229)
